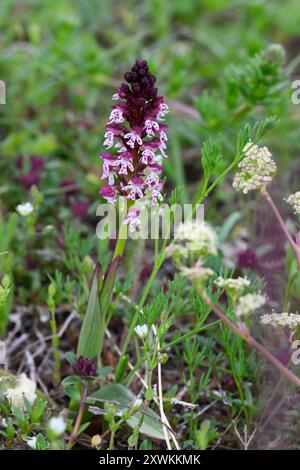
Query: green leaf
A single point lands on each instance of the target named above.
(41, 443)
(83, 427)
(103, 371)
(123, 397)
(71, 380)
(91, 333)
(121, 369)
(202, 435)
(146, 445)
(108, 284)
(71, 357)
(211, 156)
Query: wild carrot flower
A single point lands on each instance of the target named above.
(255, 170)
(281, 320)
(136, 139)
(197, 273)
(233, 286)
(294, 201)
(248, 303)
(198, 236)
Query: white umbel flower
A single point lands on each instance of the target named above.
(197, 273)
(281, 320)
(57, 425)
(22, 387)
(199, 236)
(255, 170)
(24, 209)
(294, 201)
(248, 303)
(141, 331)
(233, 286)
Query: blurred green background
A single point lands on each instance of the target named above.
(62, 60)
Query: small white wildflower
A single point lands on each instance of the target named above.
(255, 170)
(233, 286)
(31, 442)
(197, 273)
(248, 303)
(57, 425)
(200, 235)
(22, 387)
(24, 209)
(141, 330)
(294, 201)
(281, 320)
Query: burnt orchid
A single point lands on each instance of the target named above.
(136, 139)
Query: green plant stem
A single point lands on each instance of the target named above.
(238, 385)
(195, 331)
(55, 345)
(121, 242)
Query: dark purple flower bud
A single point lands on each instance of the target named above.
(36, 163)
(29, 179)
(85, 368)
(128, 77)
(80, 209)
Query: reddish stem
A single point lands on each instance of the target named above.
(75, 431)
(248, 338)
(294, 245)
